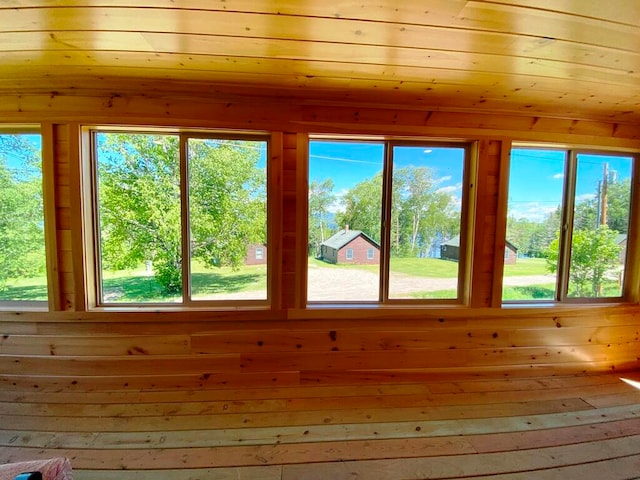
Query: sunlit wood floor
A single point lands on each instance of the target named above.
(562, 427)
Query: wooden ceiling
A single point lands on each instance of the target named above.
(566, 58)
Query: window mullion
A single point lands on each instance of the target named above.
(566, 232)
(385, 231)
(184, 215)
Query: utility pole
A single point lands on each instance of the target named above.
(603, 194)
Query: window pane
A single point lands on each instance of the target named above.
(600, 226)
(139, 217)
(22, 248)
(228, 219)
(533, 224)
(425, 222)
(345, 205)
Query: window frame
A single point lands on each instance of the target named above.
(467, 215)
(629, 290)
(94, 294)
(48, 218)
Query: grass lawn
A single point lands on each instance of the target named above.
(526, 266)
(138, 286)
(25, 289)
(438, 268)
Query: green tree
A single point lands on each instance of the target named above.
(422, 210)
(139, 197)
(321, 198)
(22, 251)
(594, 253)
(618, 205)
(363, 207)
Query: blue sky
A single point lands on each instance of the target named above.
(536, 175)
(536, 179)
(348, 163)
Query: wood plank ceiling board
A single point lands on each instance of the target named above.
(561, 59)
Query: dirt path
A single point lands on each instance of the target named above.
(347, 283)
(358, 285)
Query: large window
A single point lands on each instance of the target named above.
(22, 248)
(568, 222)
(179, 217)
(385, 221)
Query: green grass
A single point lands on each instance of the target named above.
(438, 268)
(526, 266)
(139, 287)
(25, 289)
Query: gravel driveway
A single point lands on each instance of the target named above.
(335, 283)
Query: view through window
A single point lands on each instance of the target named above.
(348, 238)
(22, 246)
(145, 233)
(585, 260)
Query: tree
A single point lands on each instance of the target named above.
(422, 211)
(419, 211)
(363, 207)
(139, 195)
(618, 203)
(321, 198)
(594, 253)
(22, 252)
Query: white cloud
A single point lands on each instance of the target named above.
(558, 176)
(532, 211)
(585, 197)
(440, 180)
(451, 188)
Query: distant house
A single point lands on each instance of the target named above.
(510, 253)
(450, 250)
(256, 254)
(350, 246)
(621, 241)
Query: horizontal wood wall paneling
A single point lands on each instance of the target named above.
(223, 112)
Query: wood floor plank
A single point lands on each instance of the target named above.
(468, 465)
(228, 473)
(624, 468)
(266, 419)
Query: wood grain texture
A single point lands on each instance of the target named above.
(508, 55)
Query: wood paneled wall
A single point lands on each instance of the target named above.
(78, 349)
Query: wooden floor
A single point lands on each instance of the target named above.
(563, 427)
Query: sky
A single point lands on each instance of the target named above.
(348, 163)
(536, 175)
(536, 179)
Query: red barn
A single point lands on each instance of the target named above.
(350, 246)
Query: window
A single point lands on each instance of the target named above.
(23, 276)
(587, 193)
(399, 207)
(176, 216)
(259, 253)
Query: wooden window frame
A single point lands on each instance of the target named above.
(467, 215)
(629, 288)
(93, 292)
(48, 214)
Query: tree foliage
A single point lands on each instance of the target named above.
(321, 197)
(140, 203)
(362, 207)
(22, 252)
(594, 254)
(420, 213)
